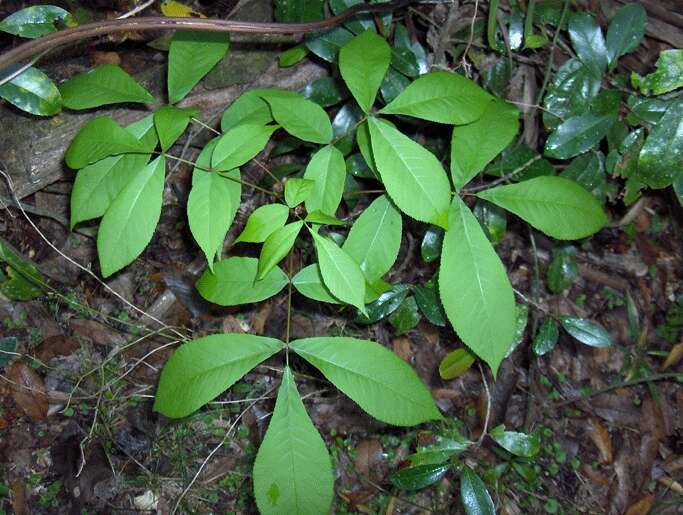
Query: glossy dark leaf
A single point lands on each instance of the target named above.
(669, 74)
(519, 444)
(420, 476)
(406, 316)
(326, 91)
(661, 159)
(427, 298)
(587, 331)
(430, 249)
(298, 11)
(588, 41)
(546, 338)
(327, 44)
(474, 496)
(493, 220)
(35, 21)
(588, 170)
(625, 31)
(563, 269)
(34, 92)
(572, 87)
(385, 305)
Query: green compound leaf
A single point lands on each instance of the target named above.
(297, 190)
(442, 97)
(248, 108)
(340, 273)
(380, 382)
(327, 170)
(587, 332)
(171, 122)
(413, 176)
(191, 56)
(669, 74)
(292, 470)
(128, 224)
(262, 222)
(34, 92)
(475, 289)
(99, 138)
(474, 145)
(375, 238)
(34, 22)
(98, 184)
(363, 61)
(625, 31)
(202, 369)
(276, 247)
(233, 282)
(309, 283)
(240, 144)
(474, 496)
(300, 117)
(519, 444)
(588, 41)
(104, 84)
(556, 206)
(660, 161)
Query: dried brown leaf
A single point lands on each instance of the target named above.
(600, 436)
(674, 356)
(28, 391)
(641, 506)
(402, 347)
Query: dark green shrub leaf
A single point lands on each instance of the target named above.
(405, 317)
(240, 144)
(519, 444)
(128, 224)
(341, 274)
(669, 74)
(475, 289)
(563, 269)
(344, 126)
(299, 11)
(100, 137)
(419, 476)
(456, 363)
(572, 88)
(587, 332)
(558, 207)
(34, 22)
(393, 85)
(546, 338)
(427, 298)
(588, 41)
(380, 382)
(191, 56)
(297, 190)
(325, 92)
(493, 220)
(276, 247)
(387, 302)
(104, 84)
(233, 281)
(413, 176)
(625, 31)
(300, 117)
(474, 496)
(200, 370)
(474, 145)
(580, 133)
(327, 170)
(649, 110)
(442, 97)
(660, 161)
(292, 471)
(171, 122)
(588, 170)
(363, 61)
(327, 44)
(33, 91)
(430, 248)
(309, 283)
(262, 222)
(405, 61)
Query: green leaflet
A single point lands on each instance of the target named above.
(474, 496)
(363, 61)
(475, 289)
(413, 176)
(191, 56)
(98, 184)
(33, 91)
(318, 217)
(104, 84)
(442, 97)
(262, 222)
(297, 190)
(171, 122)
(276, 247)
(625, 32)
(474, 145)
(660, 162)
(587, 332)
(556, 206)
(128, 224)
(378, 380)
(248, 108)
(456, 363)
(588, 41)
(669, 74)
(100, 137)
(34, 22)
(200, 370)
(340, 273)
(309, 283)
(240, 144)
(292, 56)
(300, 117)
(519, 444)
(375, 238)
(292, 471)
(327, 170)
(233, 282)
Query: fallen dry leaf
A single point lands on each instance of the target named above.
(600, 436)
(28, 391)
(641, 506)
(402, 347)
(368, 457)
(674, 356)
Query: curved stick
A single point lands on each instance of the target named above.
(91, 30)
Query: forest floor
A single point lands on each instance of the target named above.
(78, 369)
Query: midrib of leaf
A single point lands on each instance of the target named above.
(198, 375)
(290, 438)
(375, 236)
(339, 270)
(597, 120)
(474, 262)
(357, 374)
(131, 205)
